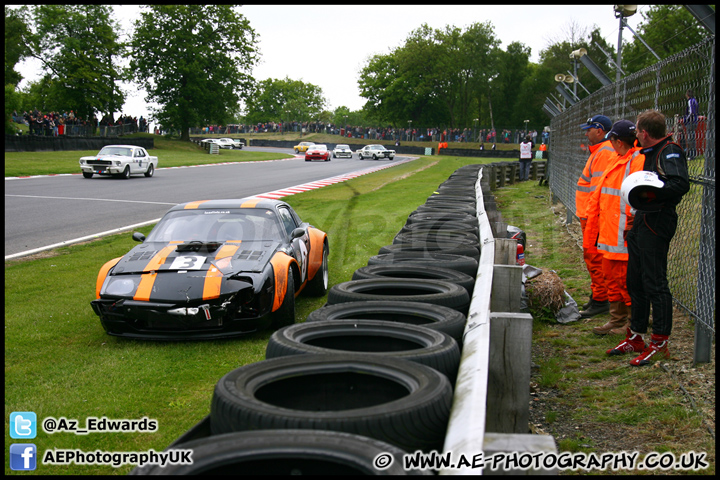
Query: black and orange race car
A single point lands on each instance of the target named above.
(212, 269)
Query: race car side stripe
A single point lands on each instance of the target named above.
(148, 279)
(281, 265)
(192, 205)
(102, 274)
(213, 277)
(315, 258)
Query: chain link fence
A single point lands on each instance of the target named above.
(691, 265)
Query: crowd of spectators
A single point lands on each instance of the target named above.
(69, 123)
(431, 134)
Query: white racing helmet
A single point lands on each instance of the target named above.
(638, 182)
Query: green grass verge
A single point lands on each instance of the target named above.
(60, 363)
(170, 153)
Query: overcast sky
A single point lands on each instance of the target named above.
(328, 45)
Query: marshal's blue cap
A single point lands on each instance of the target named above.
(598, 121)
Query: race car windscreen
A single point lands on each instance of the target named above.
(220, 225)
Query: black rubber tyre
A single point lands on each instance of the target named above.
(318, 286)
(457, 207)
(437, 238)
(87, 174)
(410, 270)
(461, 263)
(444, 195)
(285, 315)
(436, 292)
(435, 317)
(126, 173)
(422, 249)
(439, 226)
(150, 171)
(285, 452)
(392, 400)
(422, 345)
(439, 215)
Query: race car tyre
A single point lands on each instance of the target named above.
(392, 400)
(150, 171)
(435, 317)
(410, 270)
(285, 315)
(296, 151)
(319, 284)
(461, 263)
(87, 174)
(370, 337)
(436, 292)
(286, 452)
(374, 157)
(126, 173)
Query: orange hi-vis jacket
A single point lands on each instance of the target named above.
(601, 155)
(608, 216)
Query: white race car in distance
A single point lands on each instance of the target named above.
(375, 152)
(342, 150)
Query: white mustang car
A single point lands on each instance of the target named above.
(375, 152)
(120, 161)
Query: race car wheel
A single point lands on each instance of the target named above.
(297, 151)
(410, 270)
(374, 157)
(150, 171)
(283, 453)
(126, 173)
(87, 174)
(436, 292)
(372, 337)
(285, 315)
(435, 317)
(461, 263)
(319, 284)
(392, 400)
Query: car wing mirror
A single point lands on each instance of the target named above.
(297, 233)
(138, 237)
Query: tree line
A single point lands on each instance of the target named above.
(196, 63)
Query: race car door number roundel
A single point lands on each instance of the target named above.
(187, 263)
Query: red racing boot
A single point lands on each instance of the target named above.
(658, 348)
(633, 343)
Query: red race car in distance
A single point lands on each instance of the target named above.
(318, 152)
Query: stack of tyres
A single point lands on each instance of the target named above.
(370, 371)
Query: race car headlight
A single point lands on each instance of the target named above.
(121, 286)
(117, 163)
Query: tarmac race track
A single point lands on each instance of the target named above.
(49, 211)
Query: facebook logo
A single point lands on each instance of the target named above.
(23, 456)
(23, 425)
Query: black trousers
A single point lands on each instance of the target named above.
(648, 245)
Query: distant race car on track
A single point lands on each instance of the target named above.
(317, 152)
(303, 146)
(375, 152)
(212, 269)
(342, 151)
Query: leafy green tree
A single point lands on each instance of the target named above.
(285, 100)
(194, 61)
(79, 50)
(512, 69)
(668, 29)
(17, 47)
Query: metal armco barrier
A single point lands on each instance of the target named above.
(481, 420)
(34, 143)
